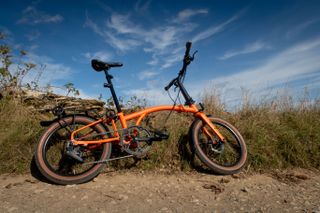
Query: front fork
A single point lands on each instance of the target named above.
(206, 130)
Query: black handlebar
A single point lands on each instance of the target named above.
(170, 84)
(188, 47)
(178, 81)
(186, 61)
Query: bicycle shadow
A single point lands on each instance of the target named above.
(35, 172)
(187, 154)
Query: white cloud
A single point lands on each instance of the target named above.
(120, 43)
(188, 13)
(214, 29)
(142, 6)
(101, 55)
(33, 35)
(89, 23)
(301, 27)
(159, 38)
(52, 71)
(122, 24)
(164, 42)
(297, 63)
(31, 15)
(152, 95)
(250, 48)
(147, 74)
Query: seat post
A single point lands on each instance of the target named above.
(113, 93)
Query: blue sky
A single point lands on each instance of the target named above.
(263, 47)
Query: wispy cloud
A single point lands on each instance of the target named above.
(51, 71)
(297, 63)
(301, 27)
(31, 15)
(158, 38)
(147, 74)
(33, 35)
(214, 29)
(124, 36)
(188, 13)
(121, 43)
(164, 42)
(102, 55)
(90, 24)
(142, 6)
(154, 96)
(250, 48)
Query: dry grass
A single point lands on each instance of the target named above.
(279, 134)
(19, 131)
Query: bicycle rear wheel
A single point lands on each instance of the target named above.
(60, 168)
(226, 157)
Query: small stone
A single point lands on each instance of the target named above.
(223, 180)
(12, 209)
(195, 201)
(164, 209)
(38, 191)
(9, 186)
(123, 197)
(31, 181)
(235, 176)
(85, 197)
(244, 189)
(70, 186)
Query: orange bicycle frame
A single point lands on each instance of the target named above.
(138, 116)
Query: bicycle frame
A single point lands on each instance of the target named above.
(138, 116)
(189, 107)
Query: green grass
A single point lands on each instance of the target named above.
(279, 134)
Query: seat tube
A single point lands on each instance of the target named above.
(113, 93)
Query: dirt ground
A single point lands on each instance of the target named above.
(290, 191)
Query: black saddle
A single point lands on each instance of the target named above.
(98, 65)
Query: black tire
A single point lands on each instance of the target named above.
(59, 168)
(233, 152)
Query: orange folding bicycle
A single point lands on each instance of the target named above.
(75, 148)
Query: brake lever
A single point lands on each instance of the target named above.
(195, 52)
(175, 86)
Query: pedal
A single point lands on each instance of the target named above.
(73, 154)
(160, 135)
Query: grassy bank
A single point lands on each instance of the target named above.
(19, 130)
(278, 135)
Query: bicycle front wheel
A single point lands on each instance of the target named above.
(224, 158)
(56, 165)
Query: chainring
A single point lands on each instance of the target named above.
(139, 141)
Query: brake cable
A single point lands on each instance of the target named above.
(174, 104)
(178, 94)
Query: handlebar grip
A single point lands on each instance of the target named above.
(188, 47)
(170, 85)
